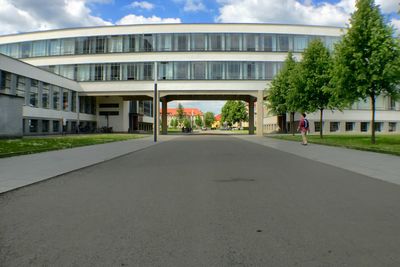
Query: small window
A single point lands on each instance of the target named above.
(317, 126)
(364, 126)
(349, 126)
(45, 126)
(109, 113)
(392, 126)
(33, 126)
(109, 105)
(378, 126)
(56, 126)
(334, 126)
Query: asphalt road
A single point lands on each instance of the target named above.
(203, 201)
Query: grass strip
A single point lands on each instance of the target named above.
(30, 145)
(388, 144)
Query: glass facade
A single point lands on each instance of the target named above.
(175, 70)
(262, 42)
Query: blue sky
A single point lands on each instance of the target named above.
(33, 15)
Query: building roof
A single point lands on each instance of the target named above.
(186, 111)
(218, 117)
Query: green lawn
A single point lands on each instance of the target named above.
(389, 144)
(29, 145)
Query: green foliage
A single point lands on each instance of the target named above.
(277, 95)
(367, 60)
(186, 123)
(174, 123)
(234, 111)
(199, 121)
(209, 119)
(180, 113)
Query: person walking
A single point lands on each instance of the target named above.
(303, 128)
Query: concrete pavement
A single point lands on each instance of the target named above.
(377, 165)
(203, 201)
(28, 169)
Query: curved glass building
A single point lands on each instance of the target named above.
(116, 68)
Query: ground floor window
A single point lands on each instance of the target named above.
(33, 126)
(56, 126)
(334, 126)
(317, 126)
(392, 126)
(349, 126)
(45, 126)
(378, 126)
(364, 126)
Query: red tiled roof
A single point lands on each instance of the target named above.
(218, 117)
(187, 111)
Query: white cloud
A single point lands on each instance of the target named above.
(293, 11)
(134, 19)
(396, 25)
(26, 15)
(194, 6)
(142, 5)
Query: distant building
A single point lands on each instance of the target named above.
(190, 114)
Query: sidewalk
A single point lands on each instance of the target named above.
(24, 170)
(380, 166)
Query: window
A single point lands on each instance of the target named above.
(164, 42)
(68, 46)
(392, 126)
(147, 108)
(115, 44)
(334, 126)
(215, 71)
(147, 43)
(25, 49)
(233, 71)
(300, 43)
(45, 126)
(269, 43)
(250, 42)
(132, 72)
(67, 71)
(283, 43)
(181, 42)
(147, 71)
(215, 42)
(98, 72)
(56, 126)
(73, 101)
(56, 98)
(233, 42)
(364, 126)
(199, 42)
(54, 47)
(39, 48)
(109, 113)
(317, 126)
(181, 70)
(45, 95)
(249, 71)
(130, 43)
(83, 72)
(83, 45)
(21, 86)
(33, 126)
(392, 104)
(65, 99)
(199, 70)
(349, 126)
(100, 44)
(34, 92)
(109, 105)
(378, 126)
(165, 71)
(115, 72)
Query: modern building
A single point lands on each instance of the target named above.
(117, 66)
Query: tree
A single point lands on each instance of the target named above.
(180, 113)
(313, 92)
(277, 95)
(174, 123)
(367, 60)
(209, 119)
(199, 121)
(234, 111)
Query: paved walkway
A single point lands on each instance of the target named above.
(28, 169)
(380, 166)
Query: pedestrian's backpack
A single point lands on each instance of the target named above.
(306, 125)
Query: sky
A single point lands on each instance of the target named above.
(32, 15)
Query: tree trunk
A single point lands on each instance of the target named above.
(284, 128)
(373, 141)
(321, 128)
(292, 122)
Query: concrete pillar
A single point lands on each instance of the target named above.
(251, 115)
(260, 113)
(342, 127)
(164, 121)
(385, 128)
